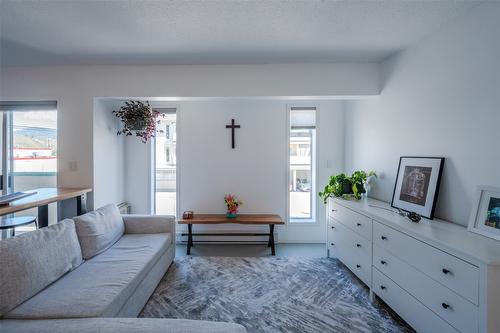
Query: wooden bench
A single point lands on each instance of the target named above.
(257, 219)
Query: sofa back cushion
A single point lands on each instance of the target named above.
(99, 230)
(32, 261)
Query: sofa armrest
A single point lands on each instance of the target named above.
(149, 224)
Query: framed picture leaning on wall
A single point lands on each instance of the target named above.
(417, 184)
(485, 215)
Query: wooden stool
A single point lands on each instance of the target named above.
(16, 221)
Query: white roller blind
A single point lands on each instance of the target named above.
(303, 117)
(28, 106)
(166, 110)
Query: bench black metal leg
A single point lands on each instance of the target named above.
(190, 238)
(271, 239)
(81, 204)
(43, 216)
(269, 243)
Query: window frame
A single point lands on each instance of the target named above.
(314, 166)
(152, 180)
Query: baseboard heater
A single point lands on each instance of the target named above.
(124, 208)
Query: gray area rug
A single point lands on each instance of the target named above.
(270, 295)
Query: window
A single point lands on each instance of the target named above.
(166, 164)
(302, 164)
(33, 149)
(28, 150)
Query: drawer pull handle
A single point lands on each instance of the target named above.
(332, 244)
(358, 224)
(445, 306)
(382, 287)
(333, 227)
(383, 262)
(334, 210)
(358, 266)
(446, 271)
(383, 238)
(358, 245)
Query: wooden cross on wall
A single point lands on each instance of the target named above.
(232, 127)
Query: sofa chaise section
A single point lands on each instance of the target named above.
(102, 285)
(117, 281)
(82, 275)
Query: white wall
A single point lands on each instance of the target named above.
(255, 170)
(109, 155)
(75, 87)
(441, 97)
(122, 165)
(138, 175)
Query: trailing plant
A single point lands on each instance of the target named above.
(347, 186)
(138, 117)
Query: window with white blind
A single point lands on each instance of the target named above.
(302, 164)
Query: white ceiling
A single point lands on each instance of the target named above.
(215, 32)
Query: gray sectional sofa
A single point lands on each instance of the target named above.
(82, 275)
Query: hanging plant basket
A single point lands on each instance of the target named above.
(138, 118)
(138, 125)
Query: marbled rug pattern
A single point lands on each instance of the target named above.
(270, 295)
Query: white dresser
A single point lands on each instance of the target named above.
(436, 275)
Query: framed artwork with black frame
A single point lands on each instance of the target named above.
(417, 184)
(485, 215)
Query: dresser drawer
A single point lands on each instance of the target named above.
(456, 274)
(454, 309)
(330, 244)
(409, 308)
(332, 233)
(357, 222)
(332, 252)
(352, 249)
(361, 267)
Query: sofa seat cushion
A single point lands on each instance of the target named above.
(99, 230)
(118, 325)
(32, 261)
(100, 286)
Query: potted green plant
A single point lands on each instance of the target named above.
(138, 117)
(347, 186)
